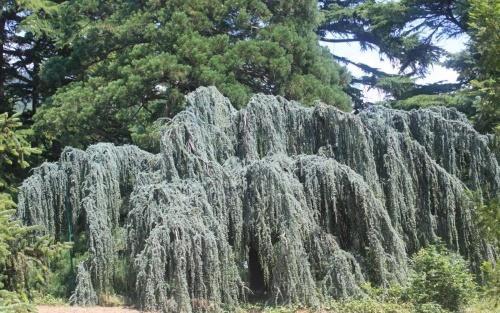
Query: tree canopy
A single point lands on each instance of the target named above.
(104, 71)
(407, 31)
(478, 68)
(21, 55)
(124, 64)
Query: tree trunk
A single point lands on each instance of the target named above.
(3, 102)
(35, 80)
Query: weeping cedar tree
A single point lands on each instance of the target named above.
(125, 64)
(275, 200)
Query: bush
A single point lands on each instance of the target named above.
(12, 302)
(430, 308)
(442, 278)
(368, 305)
(491, 282)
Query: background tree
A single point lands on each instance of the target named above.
(124, 64)
(407, 32)
(24, 256)
(485, 33)
(478, 67)
(21, 54)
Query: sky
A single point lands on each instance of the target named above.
(371, 57)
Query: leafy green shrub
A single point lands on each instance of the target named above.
(393, 293)
(487, 220)
(59, 279)
(24, 259)
(429, 308)
(441, 278)
(491, 282)
(369, 305)
(487, 217)
(49, 299)
(12, 302)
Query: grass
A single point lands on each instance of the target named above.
(365, 306)
(48, 299)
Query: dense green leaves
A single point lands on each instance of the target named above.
(14, 149)
(442, 278)
(24, 259)
(23, 255)
(485, 25)
(21, 54)
(127, 64)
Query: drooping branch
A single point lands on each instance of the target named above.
(274, 201)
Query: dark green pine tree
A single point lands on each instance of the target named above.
(9, 56)
(126, 63)
(25, 256)
(21, 55)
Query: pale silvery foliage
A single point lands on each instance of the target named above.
(84, 293)
(287, 203)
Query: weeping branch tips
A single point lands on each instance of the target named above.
(275, 202)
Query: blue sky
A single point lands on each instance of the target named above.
(373, 58)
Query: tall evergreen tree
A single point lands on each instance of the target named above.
(21, 54)
(477, 90)
(24, 255)
(124, 64)
(485, 33)
(407, 32)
